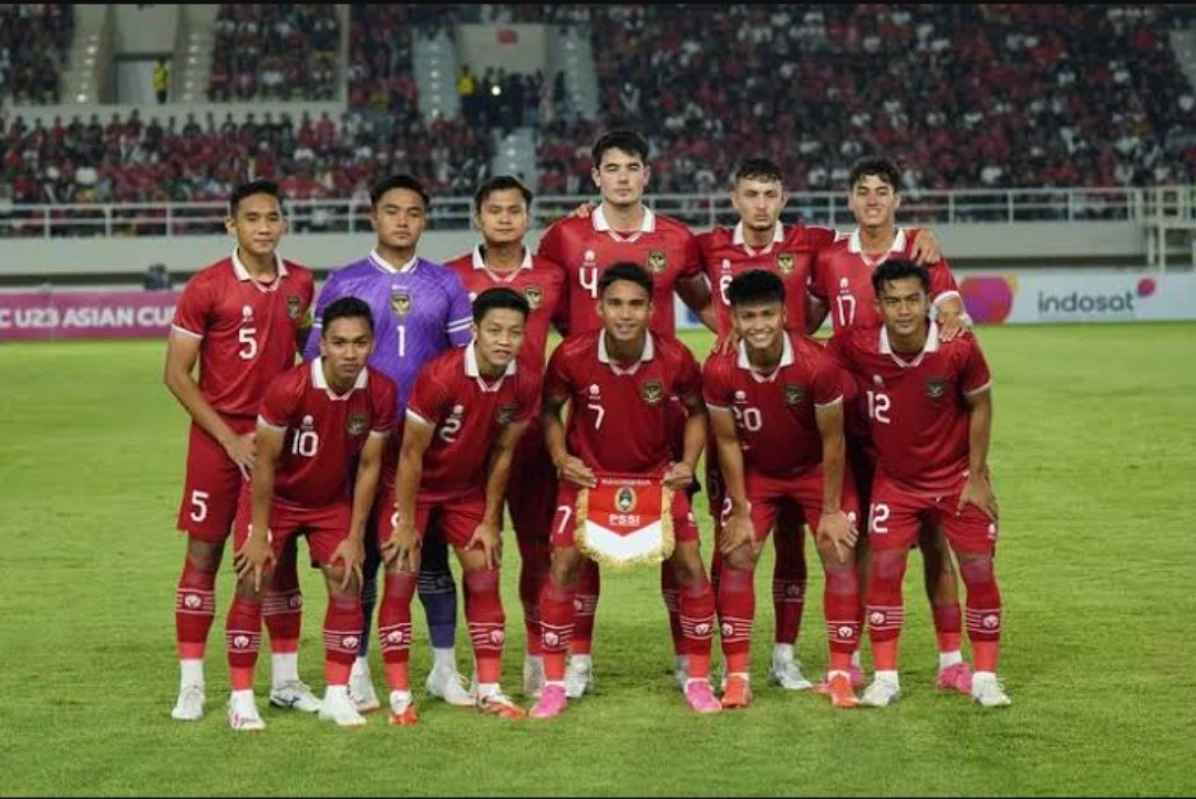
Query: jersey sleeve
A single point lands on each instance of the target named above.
(329, 293)
(838, 349)
(280, 403)
(974, 375)
(194, 310)
(430, 399)
(716, 388)
(828, 381)
(550, 244)
(820, 237)
(688, 383)
(557, 380)
(383, 400)
(818, 276)
(460, 314)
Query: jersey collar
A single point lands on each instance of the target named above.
(932, 345)
(386, 266)
(743, 362)
(243, 275)
(471, 370)
(604, 357)
(778, 236)
(318, 381)
(598, 219)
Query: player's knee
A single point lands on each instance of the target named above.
(205, 555)
(334, 576)
(743, 559)
(977, 570)
(687, 564)
(566, 566)
(888, 567)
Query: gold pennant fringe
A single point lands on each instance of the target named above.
(668, 537)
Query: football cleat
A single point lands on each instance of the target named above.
(294, 694)
(552, 702)
(189, 706)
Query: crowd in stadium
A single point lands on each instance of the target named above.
(968, 96)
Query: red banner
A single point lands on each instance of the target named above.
(64, 315)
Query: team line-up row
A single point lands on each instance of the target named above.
(395, 438)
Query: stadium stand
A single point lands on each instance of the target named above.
(284, 52)
(34, 38)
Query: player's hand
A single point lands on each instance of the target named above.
(679, 476)
(978, 492)
(489, 535)
(839, 529)
(737, 531)
(583, 211)
(403, 543)
(242, 451)
(575, 471)
(726, 343)
(927, 249)
(255, 558)
(951, 324)
(351, 555)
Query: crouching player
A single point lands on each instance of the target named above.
(314, 422)
(776, 406)
(465, 416)
(618, 381)
(930, 414)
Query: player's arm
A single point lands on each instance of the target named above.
(417, 438)
(816, 311)
(682, 472)
(834, 524)
(695, 293)
(568, 466)
(737, 525)
(256, 556)
(489, 532)
(950, 314)
(978, 488)
(365, 489)
(182, 353)
(927, 247)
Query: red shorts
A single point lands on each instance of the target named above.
(213, 484)
(685, 528)
(896, 516)
(861, 462)
(531, 489)
(324, 527)
(457, 518)
(789, 518)
(794, 500)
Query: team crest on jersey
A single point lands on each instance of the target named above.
(794, 394)
(505, 413)
(625, 499)
(400, 302)
(785, 263)
(357, 424)
(294, 306)
(656, 261)
(936, 387)
(652, 391)
(535, 296)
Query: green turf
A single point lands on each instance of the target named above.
(1094, 460)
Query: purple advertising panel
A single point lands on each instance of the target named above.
(63, 315)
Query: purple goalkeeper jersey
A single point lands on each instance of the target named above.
(420, 310)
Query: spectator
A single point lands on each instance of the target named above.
(161, 80)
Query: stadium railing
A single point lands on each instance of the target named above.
(960, 206)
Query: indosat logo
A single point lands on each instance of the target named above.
(990, 300)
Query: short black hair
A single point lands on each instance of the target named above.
(756, 286)
(246, 190)
(625, 270)
(501, 183)
(759, 169)
(499, 297)
(409, 182)
(346, 308)
(898, 269)
(884, 168)
(626, 140)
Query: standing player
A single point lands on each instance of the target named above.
(621, 229)
(618, 381)
(501, 208)
(242, 319)
(466, 414)
(930, 413)
(842, 284)
(420, 310)
(315, 422)
(776, 406)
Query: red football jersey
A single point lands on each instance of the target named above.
(790, 254)
(586, 247)
(468, 414)
(843, 279)
(539, 280)
(619, 416)
(916, 408)
(249, 331)
(325, 432)
(774, 413)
